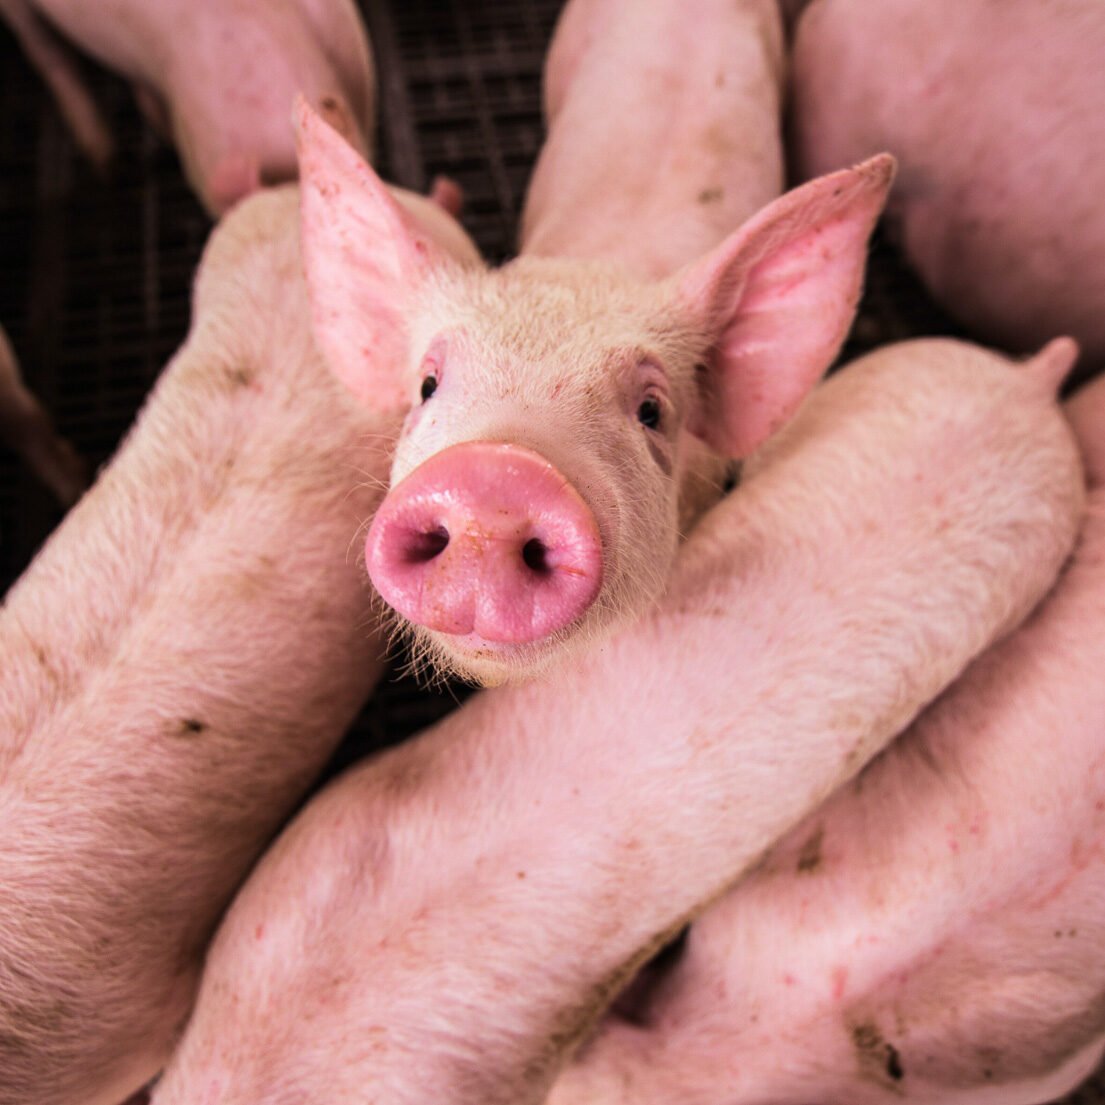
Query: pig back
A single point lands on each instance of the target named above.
(992, 112)
(179, 661)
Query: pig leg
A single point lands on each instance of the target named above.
(935, 932)
(445, 922)
(179, 662)
(58, 70)
(27, 428)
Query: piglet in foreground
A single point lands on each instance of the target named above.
(536, 481)
(28, 429)
(936, 932)
(220, 76)
(994, 111)
(445, 922)
(178, 663)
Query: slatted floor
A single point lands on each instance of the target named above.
(95, 273)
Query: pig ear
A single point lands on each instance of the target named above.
(777, 299)
(364, 259)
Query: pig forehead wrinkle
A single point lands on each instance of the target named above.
(575, 313)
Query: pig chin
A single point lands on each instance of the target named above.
(487, 663)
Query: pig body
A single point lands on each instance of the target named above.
(687, 144)
(557, 409)
(28, 429)
(446, 921)
(993, 112)
(179, 661)
(221, 77)
(934, 933)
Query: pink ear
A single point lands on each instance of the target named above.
(778, 297)
(364, 260)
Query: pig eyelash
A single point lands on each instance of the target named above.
(429, 386)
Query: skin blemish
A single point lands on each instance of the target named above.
(189, 726)
(711, 195)
(809, 858)
(878, 1060)
(239, 377)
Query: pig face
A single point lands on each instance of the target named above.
(555, 409)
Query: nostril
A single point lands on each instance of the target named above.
(422, 547)
(535, 556)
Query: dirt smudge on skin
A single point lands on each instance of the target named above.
(809, 858)
(879, 1060)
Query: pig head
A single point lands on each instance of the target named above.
(553, 407)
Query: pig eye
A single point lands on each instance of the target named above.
(648, 413)
(429, 386)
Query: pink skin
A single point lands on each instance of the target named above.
(687, 145)
(486, 541)
(446, 922)
(222, 76)
(27, 428)
(994, 110)
(935, 932)
(179, 662)
(637, 392)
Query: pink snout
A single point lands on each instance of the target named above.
(486, 539)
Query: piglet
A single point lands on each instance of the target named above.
(935, 933)
(994, 111)
(179, 661)
(220, 76)
(552, 405)
(28, 429)
(687, 144)
(446, 921)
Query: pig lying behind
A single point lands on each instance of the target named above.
(27, 428)
(661, 138)
(936, 932)
(220, 76)
(549, 404)
(445, 922)
(179, 661)
(994, 110)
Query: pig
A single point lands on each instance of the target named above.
(180, 660)
(445, 921)
(534, 496)
(935, 932)
(28, 429)
(220, 76)
(688, 143)
(993, 110)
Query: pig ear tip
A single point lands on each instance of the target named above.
(303, 115)
(882, 167)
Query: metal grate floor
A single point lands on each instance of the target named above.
(95, 274)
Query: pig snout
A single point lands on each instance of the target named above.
(486, 539)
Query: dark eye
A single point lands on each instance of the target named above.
(429, 386)
(648, 413)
